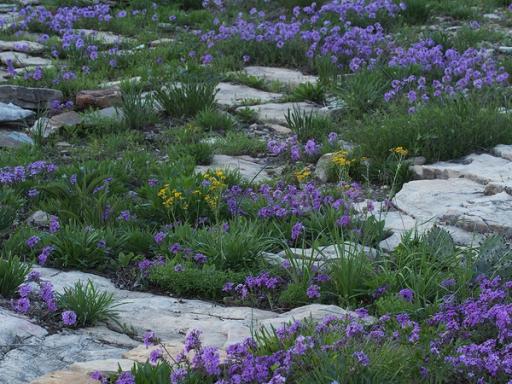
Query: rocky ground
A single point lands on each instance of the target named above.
(470, 197)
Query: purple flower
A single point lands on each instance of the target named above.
(45, 253)
(149, 338)
(125, 378)
(200, 259)
(332, 138)
(343, 221)
(361, 358)
(24, 290)
(311, 148)
(155, 356)
(69, 318)
(192, 341)
(178, 268)
(22, 305)
(159, 237)
(313, 291)
(32, 241)
(178, 375)
(406, 294)
(54, 224)
(297, 230)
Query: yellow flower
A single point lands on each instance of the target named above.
(340, 159)
(400, 151)
(302, 175)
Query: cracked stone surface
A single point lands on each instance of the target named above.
(247, 166)
(275, 112)
(286, 76)
(21, 46)
(30, 98)
(71, 355)
(21, 59)
(230, 94)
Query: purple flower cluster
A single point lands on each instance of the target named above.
(258, 287)
(18, 174)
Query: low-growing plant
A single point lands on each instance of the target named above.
(308, 125)
(314, 92)
(185, 100)
(138, 110)
(90, 305)
(214, 120)
(12, 274)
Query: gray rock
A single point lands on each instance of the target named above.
(249, 169)
(286, 76)
(12, 113)
(322, 167)
(108, 38)
(276, 112)
(47, 127)
(13, 139)
(459, 202)
(38, 356)
(21, 46)
(39, 219)
(504, 151)
(230, 95)
(30, 98)
(15, 330)
(21, 59)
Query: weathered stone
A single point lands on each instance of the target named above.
(46, 127)
(105, 366)
(4, 8)
(276, 112)
(281, 129)
(117, 83)
(161, 41)
(21, 59)
(12, 139)
(64, 377)
(315, 312)
(330, 252)
(15, 329)
(286, 76)
(459, 202)
(504, 151)
(322, 167)
(108, 38)
(10, 113)
(481, 168)
(248, 168)
(100, 98)
(229, 94)
(21, 46)
(37, 357)
(30, 98)
(39, 219)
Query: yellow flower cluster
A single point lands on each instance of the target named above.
(216, 183)
(303, 175)
(401, 151)
(340, 159)
(169, 197)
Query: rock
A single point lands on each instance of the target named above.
(322, 167)
(21, 59)
(4, 8)
(276, 112)
(280, 129)
(168, 27)
(141, 353)
(66, 119)
(248, 168)
(492, 16)
(503, 151)
(100, 98)
(170, 318)
(483, 168)
(117, 83)
(459, 202)
(10, 113)
(110, 113)
(15, 329)
(30, 98)
(320, 256)
(105, 366)
(21, 46)
(36, 356)
(229, 94)
(286, 76)
(39, 219)
(505, 50)
(12, 139)
(64, 377)
(161, 41)
(108, 38)
(315, 312)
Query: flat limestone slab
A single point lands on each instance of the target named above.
(21, 59)
(275, 113)
(249, 169)
(229, 94)
(286, 76)
(21, 46)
